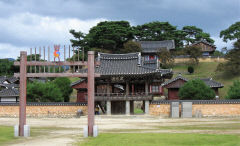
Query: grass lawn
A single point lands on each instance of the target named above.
(163, 139)
(207, 70)
(6, 134)
(138, 111)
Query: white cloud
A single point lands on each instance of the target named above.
(31, 30)
(220, 44)
(10, 51)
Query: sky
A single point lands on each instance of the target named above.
(34, 23)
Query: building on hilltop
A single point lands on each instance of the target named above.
(207, 48)
(150, 49)
(125, 78)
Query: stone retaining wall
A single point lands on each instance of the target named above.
(213, 108)
(43, 110)
(185, 60)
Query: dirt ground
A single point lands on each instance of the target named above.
(67, 131)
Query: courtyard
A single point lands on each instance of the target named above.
(125, 130)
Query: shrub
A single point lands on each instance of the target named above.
(64, 84)
(196, 90)
(190, 69)
(43, 92)
(234, 91)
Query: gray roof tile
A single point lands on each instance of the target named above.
(124, 64)
(9, 92)
(154, 46)
(208, 81)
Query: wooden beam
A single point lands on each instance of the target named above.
(60, 63)
(32, 75)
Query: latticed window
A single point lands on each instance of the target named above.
(155, 89)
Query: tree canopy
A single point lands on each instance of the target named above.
(194, 34)
(232, 65)
(159, 31)
(110, 36)
(234, 91)
(44, 92)
(231, 33)
(6, 67)
(196, 90)
(193, 52)
(64, 84)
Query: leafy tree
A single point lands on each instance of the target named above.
(6, 67)
(79, 43)
(194, 34)
(131, 46)
(44, 92)
(64, 84)
(231, 33)
(218, 54)
(232, 65)
(193, 52)
(159, 31)
(109, 35)
(166, 58)
(196, 90)
(234, 91)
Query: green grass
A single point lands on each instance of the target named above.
(6, 134)
(138, 111)
(207, 70)
(163, 139)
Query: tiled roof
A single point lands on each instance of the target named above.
(174, 79)
(9, 92)
(205, 42)
(10, 85)
(154, 46)
(211, 83)
(208, 81)
(77, 82)
(9, 79)
(124, 64)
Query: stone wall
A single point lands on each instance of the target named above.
(212, 108)
(162, 110)
(43, 110)
(205, 59)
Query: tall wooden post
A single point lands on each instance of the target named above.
(23, 91)
(90, 92)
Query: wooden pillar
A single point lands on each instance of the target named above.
(132, 107)
(146, 88)
(23, 92)
(127, 88)
(90, 92)
(108, 101)
(132, 89)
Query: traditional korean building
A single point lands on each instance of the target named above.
(207, 48)
(151, 48)
(9, 89)
(125, 78)
(173, 86)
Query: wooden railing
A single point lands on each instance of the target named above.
(121, 96)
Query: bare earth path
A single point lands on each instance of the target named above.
(67, 131)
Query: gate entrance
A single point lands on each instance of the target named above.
(47, 68)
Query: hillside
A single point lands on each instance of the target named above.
(206, 70)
